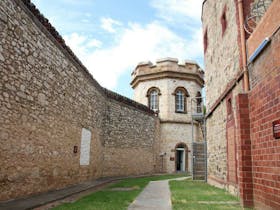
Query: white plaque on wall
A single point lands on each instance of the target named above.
(85, 147)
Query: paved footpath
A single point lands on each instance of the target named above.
(155, 196)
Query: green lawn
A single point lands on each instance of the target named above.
(197, 195)
(114, 200)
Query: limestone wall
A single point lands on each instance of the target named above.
(221, 144)
(47, 99)
(222, 64)
(221, 57)
(171, 135)
(167, 75)
(167, 88)
(129, 140)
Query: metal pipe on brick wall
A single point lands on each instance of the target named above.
(243, 45)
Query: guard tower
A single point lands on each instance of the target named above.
(167, 87)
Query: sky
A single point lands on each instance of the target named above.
(111, 37)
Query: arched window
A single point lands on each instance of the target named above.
(181, 95)
(180, 101)
(153, 98)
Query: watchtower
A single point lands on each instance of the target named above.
(167, 87)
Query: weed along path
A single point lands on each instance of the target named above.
(156, 195)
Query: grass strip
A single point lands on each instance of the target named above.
(197, 195)
(106, 199)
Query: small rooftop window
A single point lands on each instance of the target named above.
(224, 21)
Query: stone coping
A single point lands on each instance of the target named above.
(125, 100)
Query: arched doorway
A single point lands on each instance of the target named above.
(181, 157)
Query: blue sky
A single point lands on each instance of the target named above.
(111, 37)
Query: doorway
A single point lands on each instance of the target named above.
(181, 157)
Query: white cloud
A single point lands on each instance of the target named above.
(108, 24)
(76, 43)
(136, 43)
(178, 10)
(94, 43)
(82, 45)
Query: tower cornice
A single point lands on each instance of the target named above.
(167, 68)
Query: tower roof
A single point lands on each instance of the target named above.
(167, 68)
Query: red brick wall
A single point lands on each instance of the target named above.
(244, 151)
(266, 27)
(231, 143)
(264, 103)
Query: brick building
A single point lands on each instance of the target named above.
(243, 98)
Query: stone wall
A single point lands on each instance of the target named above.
(171, 135)
(221, 56)
(129, 140)
(222, 64)
(47, 99)
(167, 75)
(167, 98)
(216, 135)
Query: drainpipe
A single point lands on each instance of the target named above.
(243, 45)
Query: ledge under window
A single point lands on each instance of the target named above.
(181, 112)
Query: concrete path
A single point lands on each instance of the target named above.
(155, 196)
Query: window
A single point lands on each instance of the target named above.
(153, 99)
(181, 95)
(224, 21)
(199, 103)
(205, 40)
(229, 106)
(180, 101)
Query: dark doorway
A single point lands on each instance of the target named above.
(180, 160)
(181, 157)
